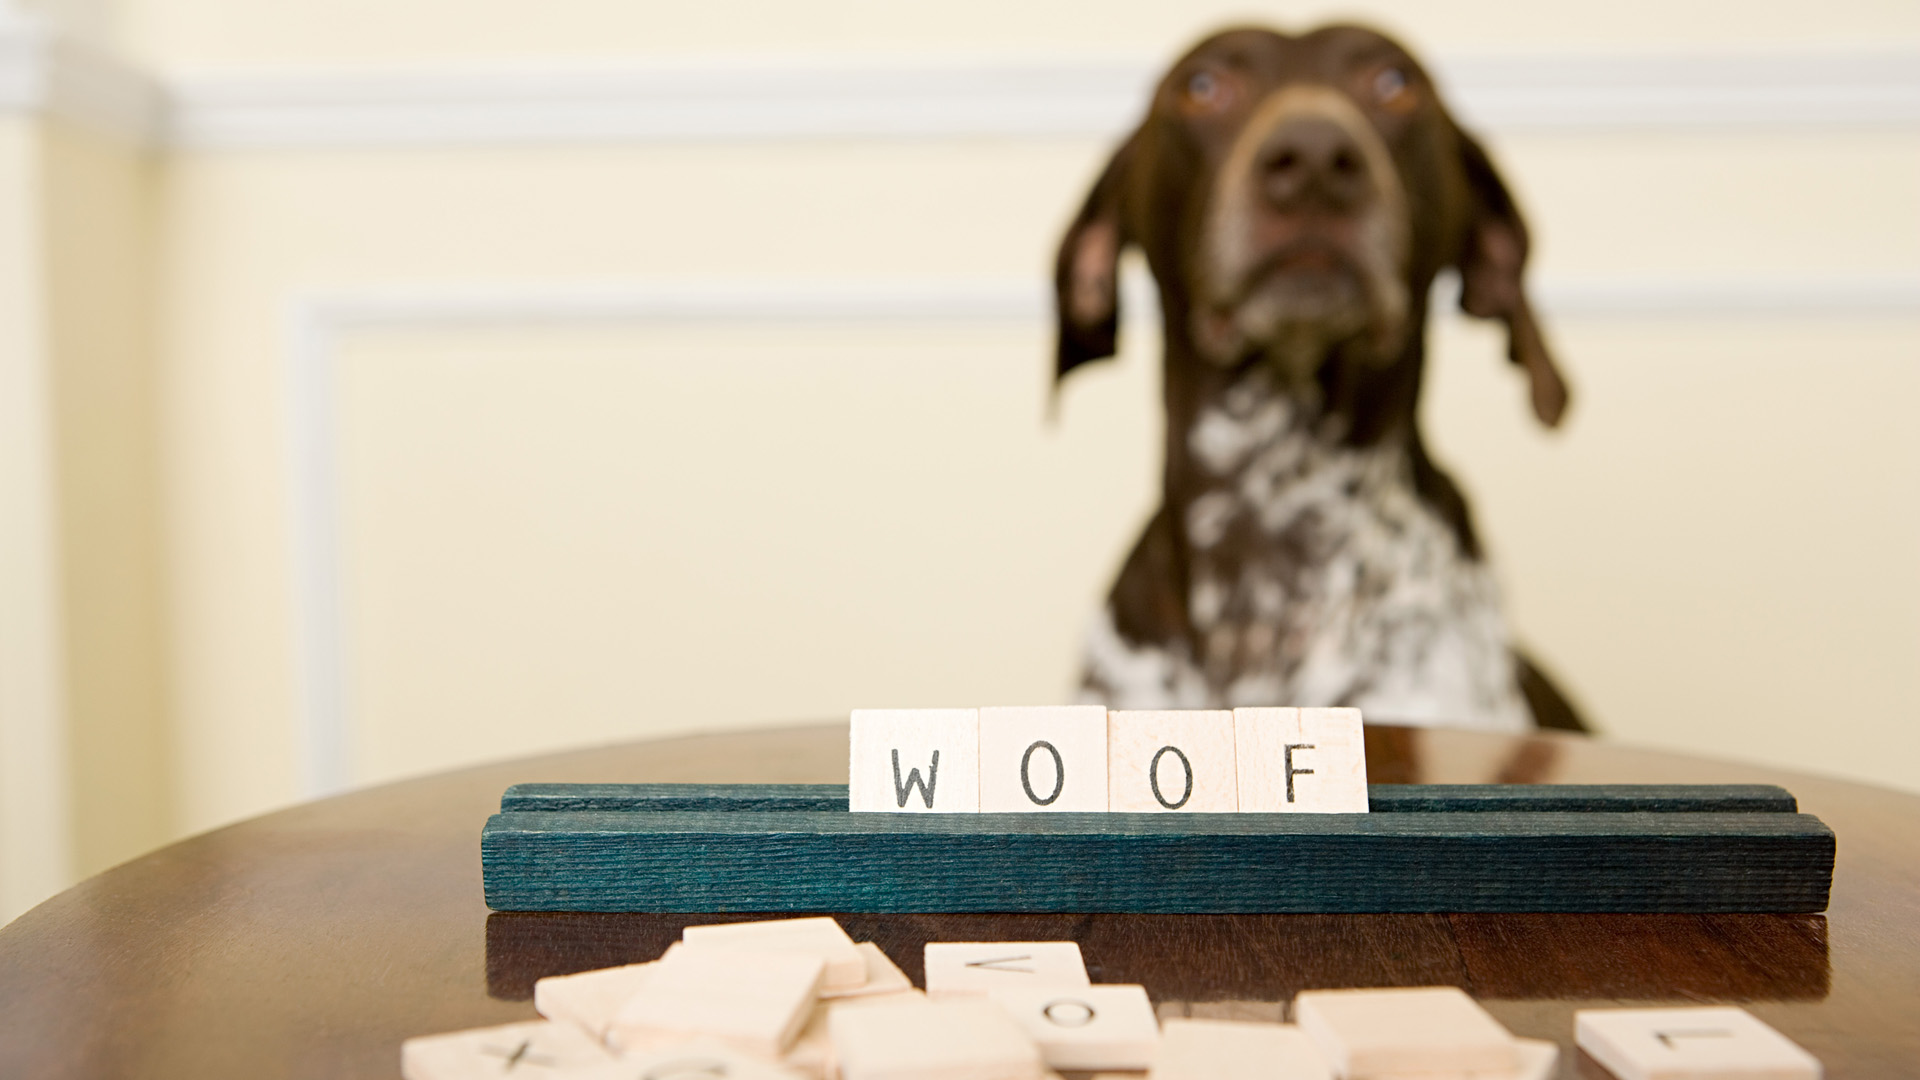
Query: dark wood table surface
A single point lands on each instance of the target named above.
(310, 942)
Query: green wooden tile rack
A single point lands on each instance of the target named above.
(1424, 848)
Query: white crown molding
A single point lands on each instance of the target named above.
(866, 97)
(316, 325)
(45, 72)
(967, 97)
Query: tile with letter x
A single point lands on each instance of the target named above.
(1086, 1027)
(914, 761)
(535, 1050)
(1301, 761)
(1167, 760)
(978, 967)
(1045, 758)
(1702, 1043)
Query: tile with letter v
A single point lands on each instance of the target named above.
(977, 967)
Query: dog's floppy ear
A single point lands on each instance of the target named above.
(1086, 273)
(1492, 261)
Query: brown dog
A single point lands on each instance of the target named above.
(1295, 198)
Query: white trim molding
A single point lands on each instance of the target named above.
(44, 71)
(995, 97)
(317, 324)
(941, 96)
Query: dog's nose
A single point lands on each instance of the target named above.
(1312, 161)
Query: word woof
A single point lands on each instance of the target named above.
(1087, 759)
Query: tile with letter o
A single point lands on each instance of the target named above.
(1087, 1027)
(914, 761)
(1165, 760)
(1043, 758)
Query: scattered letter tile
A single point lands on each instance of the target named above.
(812, 1053)
(1167, 760)
(1235, 1050)
(977, 967)
(589, 999)
(932, 1040)
(1718, 1042)
(883, 975)
(914, 761)
(1432, 1029)
(531, 1050)
(1301, 761)
(1043, 758)
(822, 937)
(1087, 1027)
(755, 1000)
(699, 1059)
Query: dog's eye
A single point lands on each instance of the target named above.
(1392, 90)
(1205, 92)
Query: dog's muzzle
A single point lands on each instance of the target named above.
(1305, 242)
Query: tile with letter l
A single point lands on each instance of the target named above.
(976, 967)
(1718, 1042)
(1163, 760)
(1043, 758)
(819, 936)
(757, 1001)
(1300, 761)
(1088, 1027)
(914, 761)
(1236, 1050)
(1430, 1029)
(955, 1039)
(532, 1050)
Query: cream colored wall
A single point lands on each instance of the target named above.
(558, 530)
(98, 212)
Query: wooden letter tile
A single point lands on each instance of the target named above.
(821, 937)
(914, 761)
(1433, 1029)
(1301, 761)
(1236, 1050)
(757, 1001)
(1088, 1027)
(589, 1000)
(977, 967)
(812, 1052)
(531, 1050)
(883, 975)
(1160, 761)
(1043, 758)
(699, 1059)
(1710, 1043)
(957, 1039)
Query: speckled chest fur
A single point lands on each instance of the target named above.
(1316, 575)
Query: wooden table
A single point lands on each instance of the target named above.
(310, 942)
